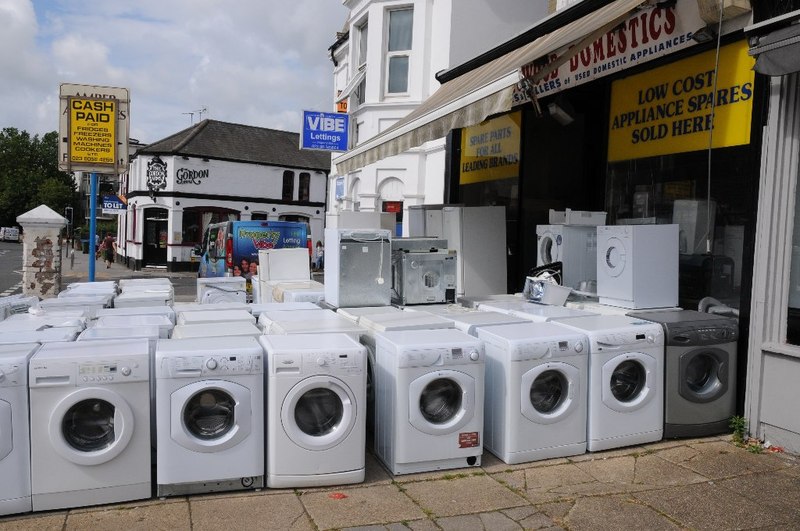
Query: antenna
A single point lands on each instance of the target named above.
(200, 113)
(191, 117)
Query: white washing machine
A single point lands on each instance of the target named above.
(221, 289)
(197, 307)
(19, 322)
(316, 410)
(533, 311)
(355, 313)
(626, 380)
(396, 321)
(637, 265)
(215, 316)
(15, 458)
(308, 322)
(258, 308)
(156, 296)
(166, 311)
(209, 415)
(469, 321)
(229, 329)
(536, 389)
(47, 335)
(575, 246)
(428, 400)
(161, 322)
(90, 423)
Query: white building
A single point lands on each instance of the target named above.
(216, 171)
(385, 64)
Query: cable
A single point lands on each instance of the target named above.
(711, 131)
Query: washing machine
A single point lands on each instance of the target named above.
(227, 329)
(533, 311)
(166, 311)
(355, 313)
(308, 322)
(700, 371)
(209, 415)
(47, 335)
(221, 289)
(428, 400)
(257, 308)
(90, 423)
(637, 265)
(197, 307)
(316, 410)
(469, 321)
(626, 380)
(15, 458)
(215, 316)
(161, 322)
(19, 322)
(536, 391)
(575, 246)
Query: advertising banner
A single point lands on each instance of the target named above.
(668, 109)
(490, 151)
(113, 204)
(325, 131)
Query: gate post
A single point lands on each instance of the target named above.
(41, 251)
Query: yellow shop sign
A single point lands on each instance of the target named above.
(668, 109)
(490, 151)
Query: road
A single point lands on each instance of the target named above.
(10, 268)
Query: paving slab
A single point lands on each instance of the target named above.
(355, 507)
(517, 482)
(709, 506)
(463, 495)
(770, 489)
(45, 522)
(492, 464)
(282, 511)
(147, 516)
(615, 512)
(720, 459)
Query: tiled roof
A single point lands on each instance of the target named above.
(213, 139)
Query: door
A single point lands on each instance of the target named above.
(629, 381)
(441, 402)
(703, 374)
(549, 246)
(210, 415)
(318, 413)
(155, 237)
(91, 426)
(549, 392)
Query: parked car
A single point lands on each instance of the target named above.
(9, 234)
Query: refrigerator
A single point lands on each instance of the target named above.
(477, 234)
(358, 266)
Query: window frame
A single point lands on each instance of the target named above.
(395, 54)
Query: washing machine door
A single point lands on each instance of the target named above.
(549, 248)
(703, 374)
(210, 415)
(319, 412)
(629, 381)
(614, 257)
(91, 426)
(441, 402)
(549, 392)
(6, 430)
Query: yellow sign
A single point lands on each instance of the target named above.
(668, 109)
(490, 151)
(92, 131)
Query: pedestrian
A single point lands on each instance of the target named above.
(320, 254)
(109, 247)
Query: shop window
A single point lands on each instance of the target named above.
(259, 216)
(288, 186)
(192, 231)
(304, 189)
(362, 61)
(398, 50)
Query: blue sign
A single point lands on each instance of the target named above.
(340, 188)
(325, 130)
(112, 204)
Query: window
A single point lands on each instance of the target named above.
(398, 50)
(362, 45)
(304, 189)
(288, 186)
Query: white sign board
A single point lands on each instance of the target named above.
(93, 128)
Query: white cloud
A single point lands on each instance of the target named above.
(247, 61)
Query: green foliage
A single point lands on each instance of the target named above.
(29, 175)
(739, 425)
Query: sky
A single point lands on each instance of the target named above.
(253, 62)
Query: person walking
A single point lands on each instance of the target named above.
(109, 247)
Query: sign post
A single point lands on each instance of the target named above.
(93, 132)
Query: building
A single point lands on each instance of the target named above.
(210, 172)
(385, 64)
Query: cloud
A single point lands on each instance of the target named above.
(247, 61)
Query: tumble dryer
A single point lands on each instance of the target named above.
(15, 459)
(428, 400)
(209, 415)
(316, 410)
(637, 265)
(626, 379)
(700, 371)
(575, 246)
(90, 423)
(536, 385)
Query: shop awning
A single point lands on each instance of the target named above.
(777, 53)
(487, 90)
(357, 79)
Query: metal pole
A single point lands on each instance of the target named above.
(92, 222)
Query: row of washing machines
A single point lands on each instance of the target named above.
(295, 401)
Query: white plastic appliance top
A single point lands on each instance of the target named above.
(310, 342)
(595, 323)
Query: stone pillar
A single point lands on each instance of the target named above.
(41, 251)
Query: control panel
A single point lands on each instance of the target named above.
(644, 337)
(456, 355)
(549, 349)
(702, 335)
(109, 372)
(12, 374)
(214, 365)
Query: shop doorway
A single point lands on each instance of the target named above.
(155, 238)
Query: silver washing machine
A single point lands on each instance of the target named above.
(700, 371)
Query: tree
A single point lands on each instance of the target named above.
(29, 175)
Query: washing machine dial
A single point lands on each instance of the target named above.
(579, 346)
(211, 364)
(651, 338)
(2, 375)
(322, 362)
(126, 371)
(474, 355)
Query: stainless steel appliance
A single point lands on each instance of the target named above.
(423, 271)
(358, 267)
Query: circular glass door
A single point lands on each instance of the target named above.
(209, 414)
(627, 380)
(88, 426)
(318, 412)
(703, 375)
(548, 391)
(440, 401)
(614, 257)
(548, 249)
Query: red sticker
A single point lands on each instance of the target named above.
(468, 439)
(337, 495)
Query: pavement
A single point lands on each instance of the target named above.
(705, 483)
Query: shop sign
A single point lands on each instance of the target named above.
(646, 35)
(187, 176)
(668, 109)
(156, 175)
(490, 151)
(339, 188)
(326, 131)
